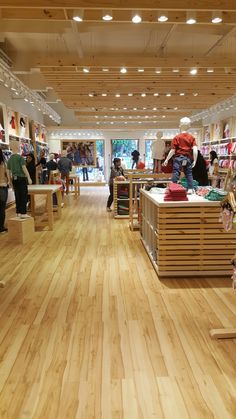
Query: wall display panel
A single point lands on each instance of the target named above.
(35, 131)
(81, 152)
(12, 122)
(23, 124)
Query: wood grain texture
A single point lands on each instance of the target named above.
(87, 330)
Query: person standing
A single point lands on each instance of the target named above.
(20, 178)
(116, 170)
(200, 171)
(4, 182)
(135, 157)
(65, 167)
(42, 163)
(31, 167)
(214, 169)
(51, 165)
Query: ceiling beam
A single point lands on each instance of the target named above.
(119, 16)
(220, 41)
(229, 5)
(57, 61)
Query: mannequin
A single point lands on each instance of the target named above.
(158, 149)
(184, 150)
(20, 177)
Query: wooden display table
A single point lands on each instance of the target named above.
(185, 238)
(75, 187)
(47, 190)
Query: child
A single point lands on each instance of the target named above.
(116, 171)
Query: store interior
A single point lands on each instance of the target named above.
(117, 287)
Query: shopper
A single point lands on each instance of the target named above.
(65, 167)
(20, 177)
(31, 167)
(4, 182)
(214, 169)
(51, 165)
(116, 171)
(200, 170)
(42, 163)
(135, 157)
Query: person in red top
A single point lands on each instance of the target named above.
(184, 150)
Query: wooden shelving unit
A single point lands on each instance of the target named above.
(118, 185)
(185, 238)
(136, 182)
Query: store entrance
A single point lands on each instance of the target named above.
(123, 149)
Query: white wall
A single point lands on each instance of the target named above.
(19, 105)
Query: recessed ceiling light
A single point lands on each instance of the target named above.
(175, 109)
(158, 71)
(168, 94)
(123, 70)
(216, 17)
(182, 94)
(78, 15)
(125, 109)
(104, 94)
(140, 70)
(155, 94)
(175, 70)
(130, 94)
(143, 94)
(162, 16)
(96, 116)
(117, 94)
(195, 94)
(140, 122)
(91, 94)
(163, 116)
(191, 18)
(134, 109)
(210, 70)
(193, 71)
(105, 116)
(144, 109)
(136, 18)
(86, 70)
(105, 69)
(154, 109)
(107, 15)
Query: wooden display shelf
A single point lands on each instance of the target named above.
(185, 237)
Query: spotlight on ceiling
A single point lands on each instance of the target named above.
(136, 17)
(191, 18)
(216, 17)
(193, 71)
(78, 15)
(162, 16)
(107, 15)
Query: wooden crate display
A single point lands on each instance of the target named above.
(186, 240)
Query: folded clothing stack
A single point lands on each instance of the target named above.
(175, 192)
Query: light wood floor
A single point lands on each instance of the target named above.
(88, 331)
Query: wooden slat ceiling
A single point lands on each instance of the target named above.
(157, 89)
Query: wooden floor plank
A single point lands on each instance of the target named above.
(88, 331)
